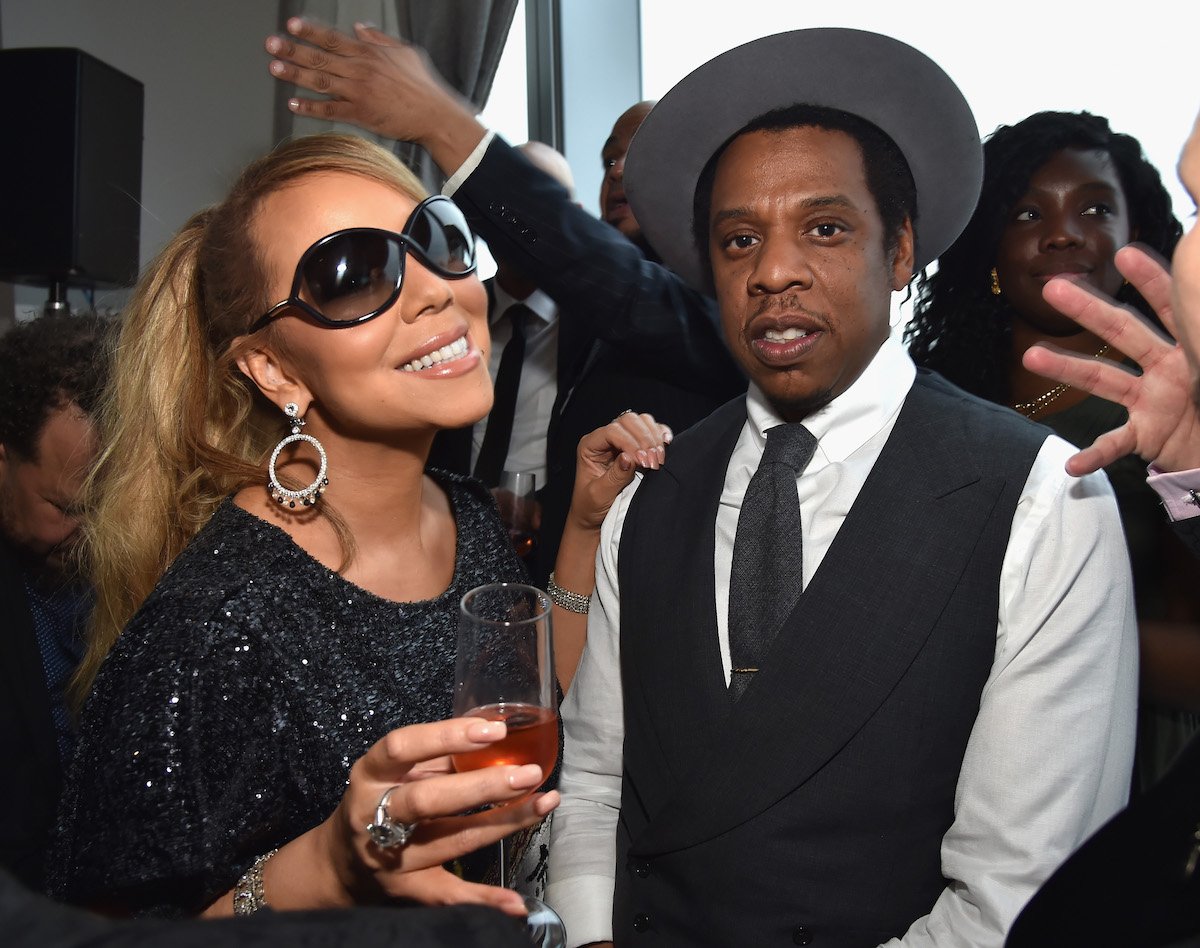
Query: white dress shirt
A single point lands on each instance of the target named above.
(539, 381)
(1050, 753)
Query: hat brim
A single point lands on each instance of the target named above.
(878, 78)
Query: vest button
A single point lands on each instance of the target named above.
(802, 936)
(641, 922)
(641, 868)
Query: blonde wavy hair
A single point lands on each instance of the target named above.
(181, 427)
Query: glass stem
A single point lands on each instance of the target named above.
(502, 864)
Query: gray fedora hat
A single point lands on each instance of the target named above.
(878, 78)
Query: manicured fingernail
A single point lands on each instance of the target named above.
(661, 452)
(643, 458)
(277, 68)
(366, 25)
(274, 44)
(668, 436)
(294, 105)
(485, 730)
(525, 776)
(295, 24)
(625, 462)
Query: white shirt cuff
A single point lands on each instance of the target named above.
(1179, 490)
(585, 904)
(454, 182)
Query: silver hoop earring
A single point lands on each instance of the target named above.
(309, 495)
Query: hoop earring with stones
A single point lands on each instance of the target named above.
(308, 496)
(995, 282)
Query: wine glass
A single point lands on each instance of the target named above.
(505, 672)
(518, 508)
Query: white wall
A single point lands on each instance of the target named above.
(208, 95)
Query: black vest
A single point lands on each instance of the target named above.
(814, 809)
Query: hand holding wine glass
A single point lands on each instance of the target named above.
(505, 672)
(407, 783)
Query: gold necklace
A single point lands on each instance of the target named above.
(1029, 409)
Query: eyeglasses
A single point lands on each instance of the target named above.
(353, 275)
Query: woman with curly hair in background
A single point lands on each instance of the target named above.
(1062, 192)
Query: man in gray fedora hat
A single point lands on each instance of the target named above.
(861, 661)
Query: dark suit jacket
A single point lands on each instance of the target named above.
(632, 334)
(1129, 884)
(32, 781)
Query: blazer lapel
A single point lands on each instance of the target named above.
(863, 619)
(671, 660)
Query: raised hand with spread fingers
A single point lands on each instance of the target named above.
(1163, 426)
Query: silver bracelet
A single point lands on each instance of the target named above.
(248, 894)
(571, 601)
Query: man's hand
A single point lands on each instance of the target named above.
(378, 83)
(1163, 425)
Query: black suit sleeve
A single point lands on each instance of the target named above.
(594, 273)
(1189, 532)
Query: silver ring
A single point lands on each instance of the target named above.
(385, 832)
(627, 411)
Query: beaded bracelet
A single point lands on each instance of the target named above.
(248, 894)
(571, 601)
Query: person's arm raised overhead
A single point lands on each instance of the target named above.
(379, 83)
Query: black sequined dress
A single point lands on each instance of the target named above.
(225, 720)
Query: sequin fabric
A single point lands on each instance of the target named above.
(225, 720)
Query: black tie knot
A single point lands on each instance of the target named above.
(792, 445)
(518, 314)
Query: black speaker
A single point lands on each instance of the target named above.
(70, 170)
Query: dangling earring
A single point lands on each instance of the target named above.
(995, 282)
(307, 495)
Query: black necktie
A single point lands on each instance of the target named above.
(494, 450)
(767, 575)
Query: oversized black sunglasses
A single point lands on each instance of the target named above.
(353, 275)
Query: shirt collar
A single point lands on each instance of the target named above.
(858, 414)
(538, 302)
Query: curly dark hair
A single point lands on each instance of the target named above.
(46, 364)
(959, 328)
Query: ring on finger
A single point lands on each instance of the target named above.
(385, 832)
(627, 411)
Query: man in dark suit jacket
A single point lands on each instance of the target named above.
(648, 341)
(522, 431)
(50, 373)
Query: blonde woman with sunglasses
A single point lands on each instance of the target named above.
(278, 575)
